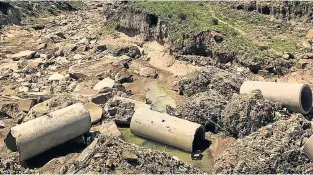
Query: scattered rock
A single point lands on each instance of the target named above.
(42, 46)
(107, 82)
(56, 77)
(123, 76)
(101, 48)
(109, 129)
(2, 125)
(95, 112)
(26, 104)
(101, 98)
(148, 72)
(121, 112)
(26, 54)
(112, 153)
(88, 152)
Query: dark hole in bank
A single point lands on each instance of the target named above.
(266, 10)
(4, 7)
(152, 20)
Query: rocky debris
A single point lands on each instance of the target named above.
(113, 155)
(120, 112)
(275, 148)
(197, 60)
(105, 83)
(222, 81)
(143, 70)
(123, 76)
(27, 104)
(204, 108)
(131, 51)
(2, 125)
(219, 144)
(50, 105)
(101, 48)
(148, 72)
(245, 114)
(101, 98)
(88, 152)
(56, 77)
(102, 68)
(108, 129)
(95, 112)
(10, 108)
(26, 54)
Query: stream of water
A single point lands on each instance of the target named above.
(205, 164)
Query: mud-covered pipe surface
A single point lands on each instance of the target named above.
(38, 135)
(167, 129)
(295, 97)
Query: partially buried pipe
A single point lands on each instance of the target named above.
(308, 148)
(295, 97)
(167, 129)
(38, 135)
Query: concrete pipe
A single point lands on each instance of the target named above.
(308, 148)
(295, 97)
(167, 129)
(40, 134)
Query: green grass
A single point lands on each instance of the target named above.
(243, 32)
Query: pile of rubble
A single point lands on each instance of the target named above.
(244, 114)
(275, 148)
(113, 155)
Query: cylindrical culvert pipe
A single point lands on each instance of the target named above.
(167, 129)
(295, 97)
(40, 134)
(308, 148)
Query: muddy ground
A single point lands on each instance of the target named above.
(121, 56)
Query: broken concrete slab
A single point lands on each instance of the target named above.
(96, 68)
(108, 129)
(88, 152)
(101, 98)
(26, 104)
(95, 112)
(56, 77)
(26, 54)
(86, 92)
(107, 82)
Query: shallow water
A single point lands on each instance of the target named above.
(205, 164)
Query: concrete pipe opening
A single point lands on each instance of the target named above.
(198, 141)
(306, 98)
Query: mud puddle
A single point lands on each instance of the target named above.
(205, 164)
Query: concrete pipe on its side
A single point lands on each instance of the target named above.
(308, 148)
(40, 134)
(167, 129)
(295, 97)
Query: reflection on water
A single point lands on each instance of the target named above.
(205, 164)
